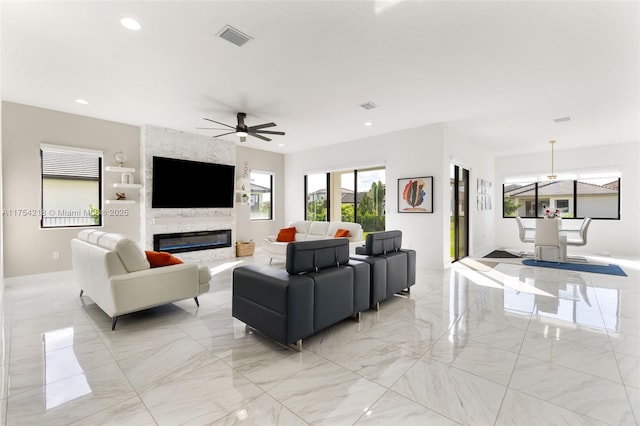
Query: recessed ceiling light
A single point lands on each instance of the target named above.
(368, 105)
(82, 101)
(130, 24)
(368, 123)
(280, 144)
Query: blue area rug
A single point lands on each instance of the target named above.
(609, 269)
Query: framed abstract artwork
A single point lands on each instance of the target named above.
(415, 195)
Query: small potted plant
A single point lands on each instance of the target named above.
(552, 214)
(95, 213)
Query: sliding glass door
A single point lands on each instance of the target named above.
(317, 196)
(348, 196)
(459, 216)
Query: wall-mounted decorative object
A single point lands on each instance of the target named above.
(415, 195)
(126, 177)
(484, 190)
(120, 158)
(120, 196)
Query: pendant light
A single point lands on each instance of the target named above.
(552, 176)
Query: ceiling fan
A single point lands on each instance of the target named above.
(242, 130)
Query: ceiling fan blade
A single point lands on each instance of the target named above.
(269, 132)
(243, 139)
(223, 134)
(217, 122)
(255, 135)
(262, 126)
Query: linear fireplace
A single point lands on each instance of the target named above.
(192, 241)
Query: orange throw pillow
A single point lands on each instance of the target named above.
(286, 235)
(161, 258)
(341, 233)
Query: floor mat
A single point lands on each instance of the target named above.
(609, 269)
(489, 264)
(497, 254)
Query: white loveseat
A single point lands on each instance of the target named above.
(313, 230)
(114, 272)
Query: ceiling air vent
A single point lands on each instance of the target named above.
(234, 36)
(561, 119)
(369, 105)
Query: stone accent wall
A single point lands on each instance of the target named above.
(157, 141)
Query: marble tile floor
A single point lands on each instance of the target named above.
(479, 344)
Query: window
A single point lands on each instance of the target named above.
(71, 181)
(370, 195)
(594, 197)
(260, 200)
(562, 205)
(519, 199)
(316, 188)
(347, 197)
(361, 197)
(598, 198)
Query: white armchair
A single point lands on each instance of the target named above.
(549, 245)
(114, 272)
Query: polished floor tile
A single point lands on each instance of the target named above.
(129, 412)
(165, 363)
(394, 409)
(200, 396)
(376, 360)
(70, 399)
(521, 409)
(592, 396)
(486, 361)
(269, 368)
(463, 397)
(482, 343)
(327, 394)
(49, 367)
(262, 411)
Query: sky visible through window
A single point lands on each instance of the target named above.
(264, 180)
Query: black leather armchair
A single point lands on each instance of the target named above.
(393, 269)
(320, 287)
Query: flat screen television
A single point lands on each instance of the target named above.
(189, 184)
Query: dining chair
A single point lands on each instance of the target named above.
(581, 239)
(522, 232)
(547, 242)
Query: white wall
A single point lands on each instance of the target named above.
(1, 208)
(264, 161)
(417, 152)
(414, 152)
(24, 128)
(615, 237)
(463, 152)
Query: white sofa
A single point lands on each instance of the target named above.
(114, 272)
(313, 230)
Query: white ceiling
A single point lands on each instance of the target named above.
(499, 72)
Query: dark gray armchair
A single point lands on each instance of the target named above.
(393, 269)
(320, 287)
